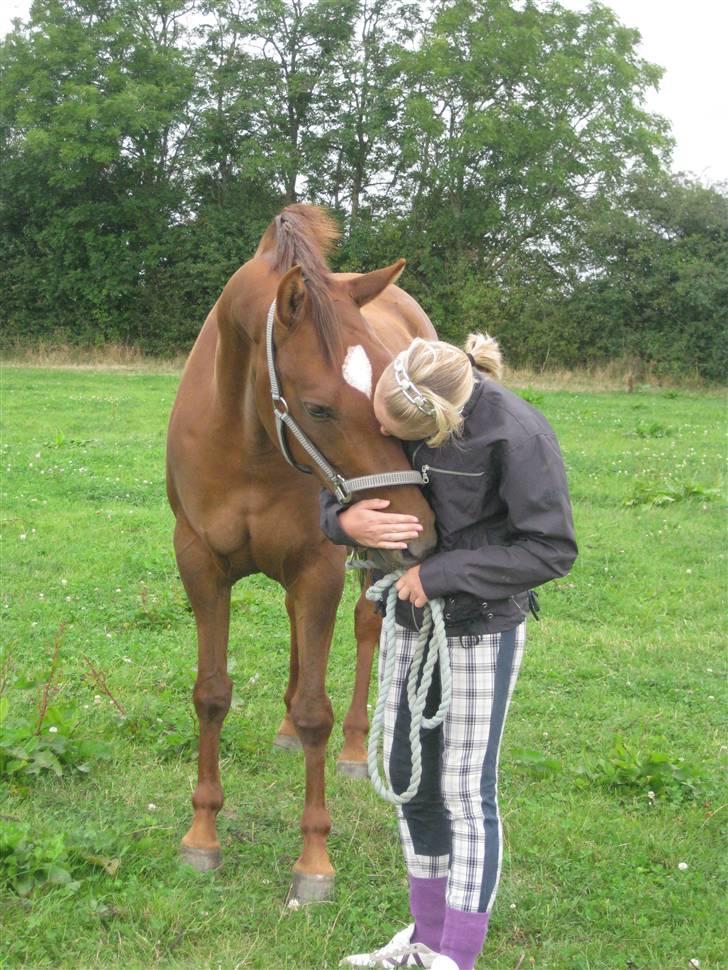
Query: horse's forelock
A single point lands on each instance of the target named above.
(304, 235)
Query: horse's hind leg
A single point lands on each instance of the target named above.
(209, 594)
(367, 626)
(286, 736)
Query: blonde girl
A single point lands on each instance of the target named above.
(495, 479)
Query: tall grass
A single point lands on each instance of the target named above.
(620, 373)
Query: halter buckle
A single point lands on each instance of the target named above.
(280, 407)
(342, 493)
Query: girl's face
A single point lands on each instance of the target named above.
(387, 424)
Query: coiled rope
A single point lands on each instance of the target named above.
(433, 623)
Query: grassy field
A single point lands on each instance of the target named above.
(613, 803)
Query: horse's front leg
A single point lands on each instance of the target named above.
(367, 627)
(209, 595)
(314, 597)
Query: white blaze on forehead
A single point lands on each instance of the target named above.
(357, 370)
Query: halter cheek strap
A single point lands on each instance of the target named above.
(343, 488)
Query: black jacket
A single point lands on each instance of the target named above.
(502, 511)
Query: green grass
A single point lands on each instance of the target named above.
(622, 691)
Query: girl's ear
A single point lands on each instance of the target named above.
(290, 296)
(364, 288)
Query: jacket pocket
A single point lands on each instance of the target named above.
(425, 471)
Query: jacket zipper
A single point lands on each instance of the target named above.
(426, 469)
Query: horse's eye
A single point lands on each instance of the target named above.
(319, 411)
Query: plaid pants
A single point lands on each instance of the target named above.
(452, 826)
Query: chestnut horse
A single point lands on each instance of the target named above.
(242, 504)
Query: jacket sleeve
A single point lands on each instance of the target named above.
(534, 490)
(329, 510)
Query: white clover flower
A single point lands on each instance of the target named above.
(651, 795)
(23, 535)
(53, 730)
(97, 698)
(682, 866)
(151, 807)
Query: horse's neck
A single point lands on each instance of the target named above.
(234, 365)
(238, 359)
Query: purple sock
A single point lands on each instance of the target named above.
(427, 905)
(463, 936)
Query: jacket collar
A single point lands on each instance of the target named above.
(474, 397)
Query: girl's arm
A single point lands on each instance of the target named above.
(366, 524)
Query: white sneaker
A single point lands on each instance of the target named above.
(399, 952)
(443, 963)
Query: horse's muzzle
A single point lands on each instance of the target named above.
(389, 560)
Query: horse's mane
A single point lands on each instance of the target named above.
(304, 235)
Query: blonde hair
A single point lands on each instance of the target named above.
(442, 375)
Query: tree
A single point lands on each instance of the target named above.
(655, 277)
(516, 116)
(294, 45)
(503, 147)
(94, 98)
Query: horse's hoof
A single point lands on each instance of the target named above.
(290, 742)
(310, 889)
(352, 769)
(204, 860)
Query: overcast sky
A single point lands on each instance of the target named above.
(687, 38)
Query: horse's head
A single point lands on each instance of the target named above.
(328, 359)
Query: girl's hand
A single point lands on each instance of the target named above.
(369, 526)
(410, 588)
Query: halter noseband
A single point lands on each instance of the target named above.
(343, 488)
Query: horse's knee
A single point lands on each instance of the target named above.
(313, 719)
(212, 697)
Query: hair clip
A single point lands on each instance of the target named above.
(408, 388)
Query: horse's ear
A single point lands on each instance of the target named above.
(290, 296)
(364, 288)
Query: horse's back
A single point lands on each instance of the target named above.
(394, 315)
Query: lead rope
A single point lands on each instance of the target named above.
(433, 622)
